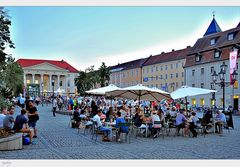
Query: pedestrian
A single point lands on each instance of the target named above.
(54, 106)
(33, 117)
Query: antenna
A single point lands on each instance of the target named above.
(213, 14)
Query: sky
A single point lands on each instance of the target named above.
(86, 36)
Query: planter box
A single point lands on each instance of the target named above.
(13, 142)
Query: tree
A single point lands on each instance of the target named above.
(11, 73)
(104, 74)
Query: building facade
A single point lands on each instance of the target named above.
(165, 71)
(205, 57)
(127, 74)
(43, 77)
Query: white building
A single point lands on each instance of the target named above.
(205, 57)
(46, 76)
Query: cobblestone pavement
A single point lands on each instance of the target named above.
(56, 140)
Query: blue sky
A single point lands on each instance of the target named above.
(86, 36)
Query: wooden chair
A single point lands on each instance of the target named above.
(95, 130)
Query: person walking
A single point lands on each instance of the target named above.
(54, 106)
(33, 117)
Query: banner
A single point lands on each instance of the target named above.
(233, 63)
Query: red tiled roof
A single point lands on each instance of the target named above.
(61, 64)
(129, 65)
(170, 56)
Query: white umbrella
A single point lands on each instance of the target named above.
(103, 90)
(187, 91)
(140, 92)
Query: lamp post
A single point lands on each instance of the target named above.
(42, 92)
(222, 82)
(53, 88)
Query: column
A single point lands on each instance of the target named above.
(50, 83)
(33, 78)
(42, 82)
(58, 83)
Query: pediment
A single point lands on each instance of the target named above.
(46, 66)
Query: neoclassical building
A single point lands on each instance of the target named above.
(46, 76)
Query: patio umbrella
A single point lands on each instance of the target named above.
(140, 92)
(187, 91)
(102, 90)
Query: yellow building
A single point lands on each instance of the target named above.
(127, 74)
(165, 71)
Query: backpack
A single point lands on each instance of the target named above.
(26, 140)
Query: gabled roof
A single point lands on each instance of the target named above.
(129, 65)
(61, 64)
(170, 56)
(238, 24)
(213, 28)
(203, 44)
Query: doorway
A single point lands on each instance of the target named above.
(235, 104)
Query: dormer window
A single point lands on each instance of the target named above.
(217, 54)
(213, 41)
(198, 57)
(230, 36)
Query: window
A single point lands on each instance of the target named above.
(28, 81)
(36, 81)
(161, 85)
(171, 66)
(230, 36)
(213, 41)
(193, 72)
(212, 70)
(182, 74)
(171, 75)
(165, 67)
(161, 77)
(182, 83)
(193, 85)
(143, 71)
(147, 70)
(176, 75)
(156, 85)
(132, 83)
(202, 71)
(136, 82)
(136, 72)
(193, 101)
(211, 85)
(202, 101)
(198, 58)
(217, 54)
(166, 76)
(132, 73)
(202, 85)
(152, 69)
(68, 83)
(156, 68)
(176, 65)
(151, 85)
(156, 77)
(161, 68)
(176, 84)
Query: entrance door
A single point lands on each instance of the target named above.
(235, 104)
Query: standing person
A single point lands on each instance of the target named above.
(54, 106)
(27, 102)
(193, 123)
(33, 117)
(22, 101)
(8, 120)
(71, 102)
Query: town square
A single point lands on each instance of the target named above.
(119, 83)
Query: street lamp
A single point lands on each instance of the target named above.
(53, 88)
(222, 82)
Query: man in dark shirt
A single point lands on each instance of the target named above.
(33, 117)
(22, 126)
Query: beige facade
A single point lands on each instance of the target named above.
(167, 75)
(124, 78)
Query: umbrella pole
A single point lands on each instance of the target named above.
(186, 103)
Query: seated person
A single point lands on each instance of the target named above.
(193, 123)
(173, 112)
(181, 122)
(99, 125)
(154, 118)
(138, 118)
(219, 121)
(21, 125)
(76, 116)
(122, 129)
(206, 120)
(8, 120)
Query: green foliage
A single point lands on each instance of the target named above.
(89, 78)
(11, 73)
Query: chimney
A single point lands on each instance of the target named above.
(162, 52)
(173, 50)
(188, 46)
